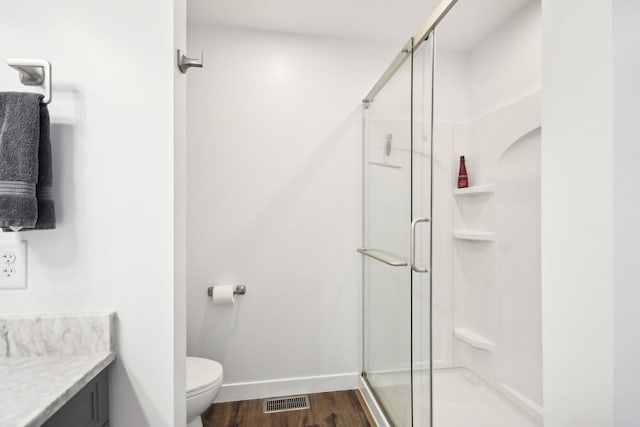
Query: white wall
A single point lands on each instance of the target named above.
(451, 106)
(179, 219)
(451, 90)
(626, 105)
(577, 214)
(505, 66)
(274, 203)
(112, 132)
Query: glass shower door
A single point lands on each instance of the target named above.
(397, 245)
(421, 213)
(387, 274)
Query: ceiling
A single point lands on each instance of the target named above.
(383, 21)
(386, 21)
(470, 21)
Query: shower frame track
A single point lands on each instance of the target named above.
(438, 14)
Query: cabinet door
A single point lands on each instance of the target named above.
(88, 408)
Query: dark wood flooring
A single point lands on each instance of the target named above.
(336, 409)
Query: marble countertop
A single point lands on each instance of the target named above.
(33, 388)
(46, 360)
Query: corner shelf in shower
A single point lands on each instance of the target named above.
(480, 236)
(475, 190)
(474, 339)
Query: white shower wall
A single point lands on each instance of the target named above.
(274, 202)
(507, 64)
(494, 291)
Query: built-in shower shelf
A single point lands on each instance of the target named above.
(481, 236)
(475, 190)
(474, 339)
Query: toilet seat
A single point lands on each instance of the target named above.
(202, 375)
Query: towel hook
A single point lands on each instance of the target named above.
(34, 72)
(184, 62)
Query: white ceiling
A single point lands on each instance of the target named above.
(470, 21)
(385, 21)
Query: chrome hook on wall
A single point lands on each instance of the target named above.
(184, 62)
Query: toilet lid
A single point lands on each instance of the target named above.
(202, 373)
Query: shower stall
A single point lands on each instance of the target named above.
(451, 277)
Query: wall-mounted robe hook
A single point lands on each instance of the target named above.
(184, 62)
(34, 72)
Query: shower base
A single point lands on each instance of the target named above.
(461, 399)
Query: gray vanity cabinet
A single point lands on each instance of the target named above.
(88, 408)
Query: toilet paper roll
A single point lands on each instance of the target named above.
(223, 294)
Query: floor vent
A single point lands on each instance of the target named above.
(289, 403)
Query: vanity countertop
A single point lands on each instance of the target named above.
(46, 360)
(34, 388)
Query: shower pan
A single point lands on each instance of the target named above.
(451, 293)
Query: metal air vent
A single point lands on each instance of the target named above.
(289, 403)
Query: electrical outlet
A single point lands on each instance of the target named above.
(8, 270)
(13, 264)
(8, 257)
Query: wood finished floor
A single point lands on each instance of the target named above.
(336, 409)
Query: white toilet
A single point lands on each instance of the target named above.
(204, 378)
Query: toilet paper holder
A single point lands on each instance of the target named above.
(239, 290)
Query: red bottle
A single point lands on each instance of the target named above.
(463, 180)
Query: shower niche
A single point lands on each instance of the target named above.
(451, 277)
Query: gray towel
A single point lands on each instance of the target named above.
(25, 162)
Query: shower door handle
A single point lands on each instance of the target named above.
(414, 223)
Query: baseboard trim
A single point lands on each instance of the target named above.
(372, 404)
(287, 386)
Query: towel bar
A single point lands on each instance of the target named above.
(381, 256)
(34, 72)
